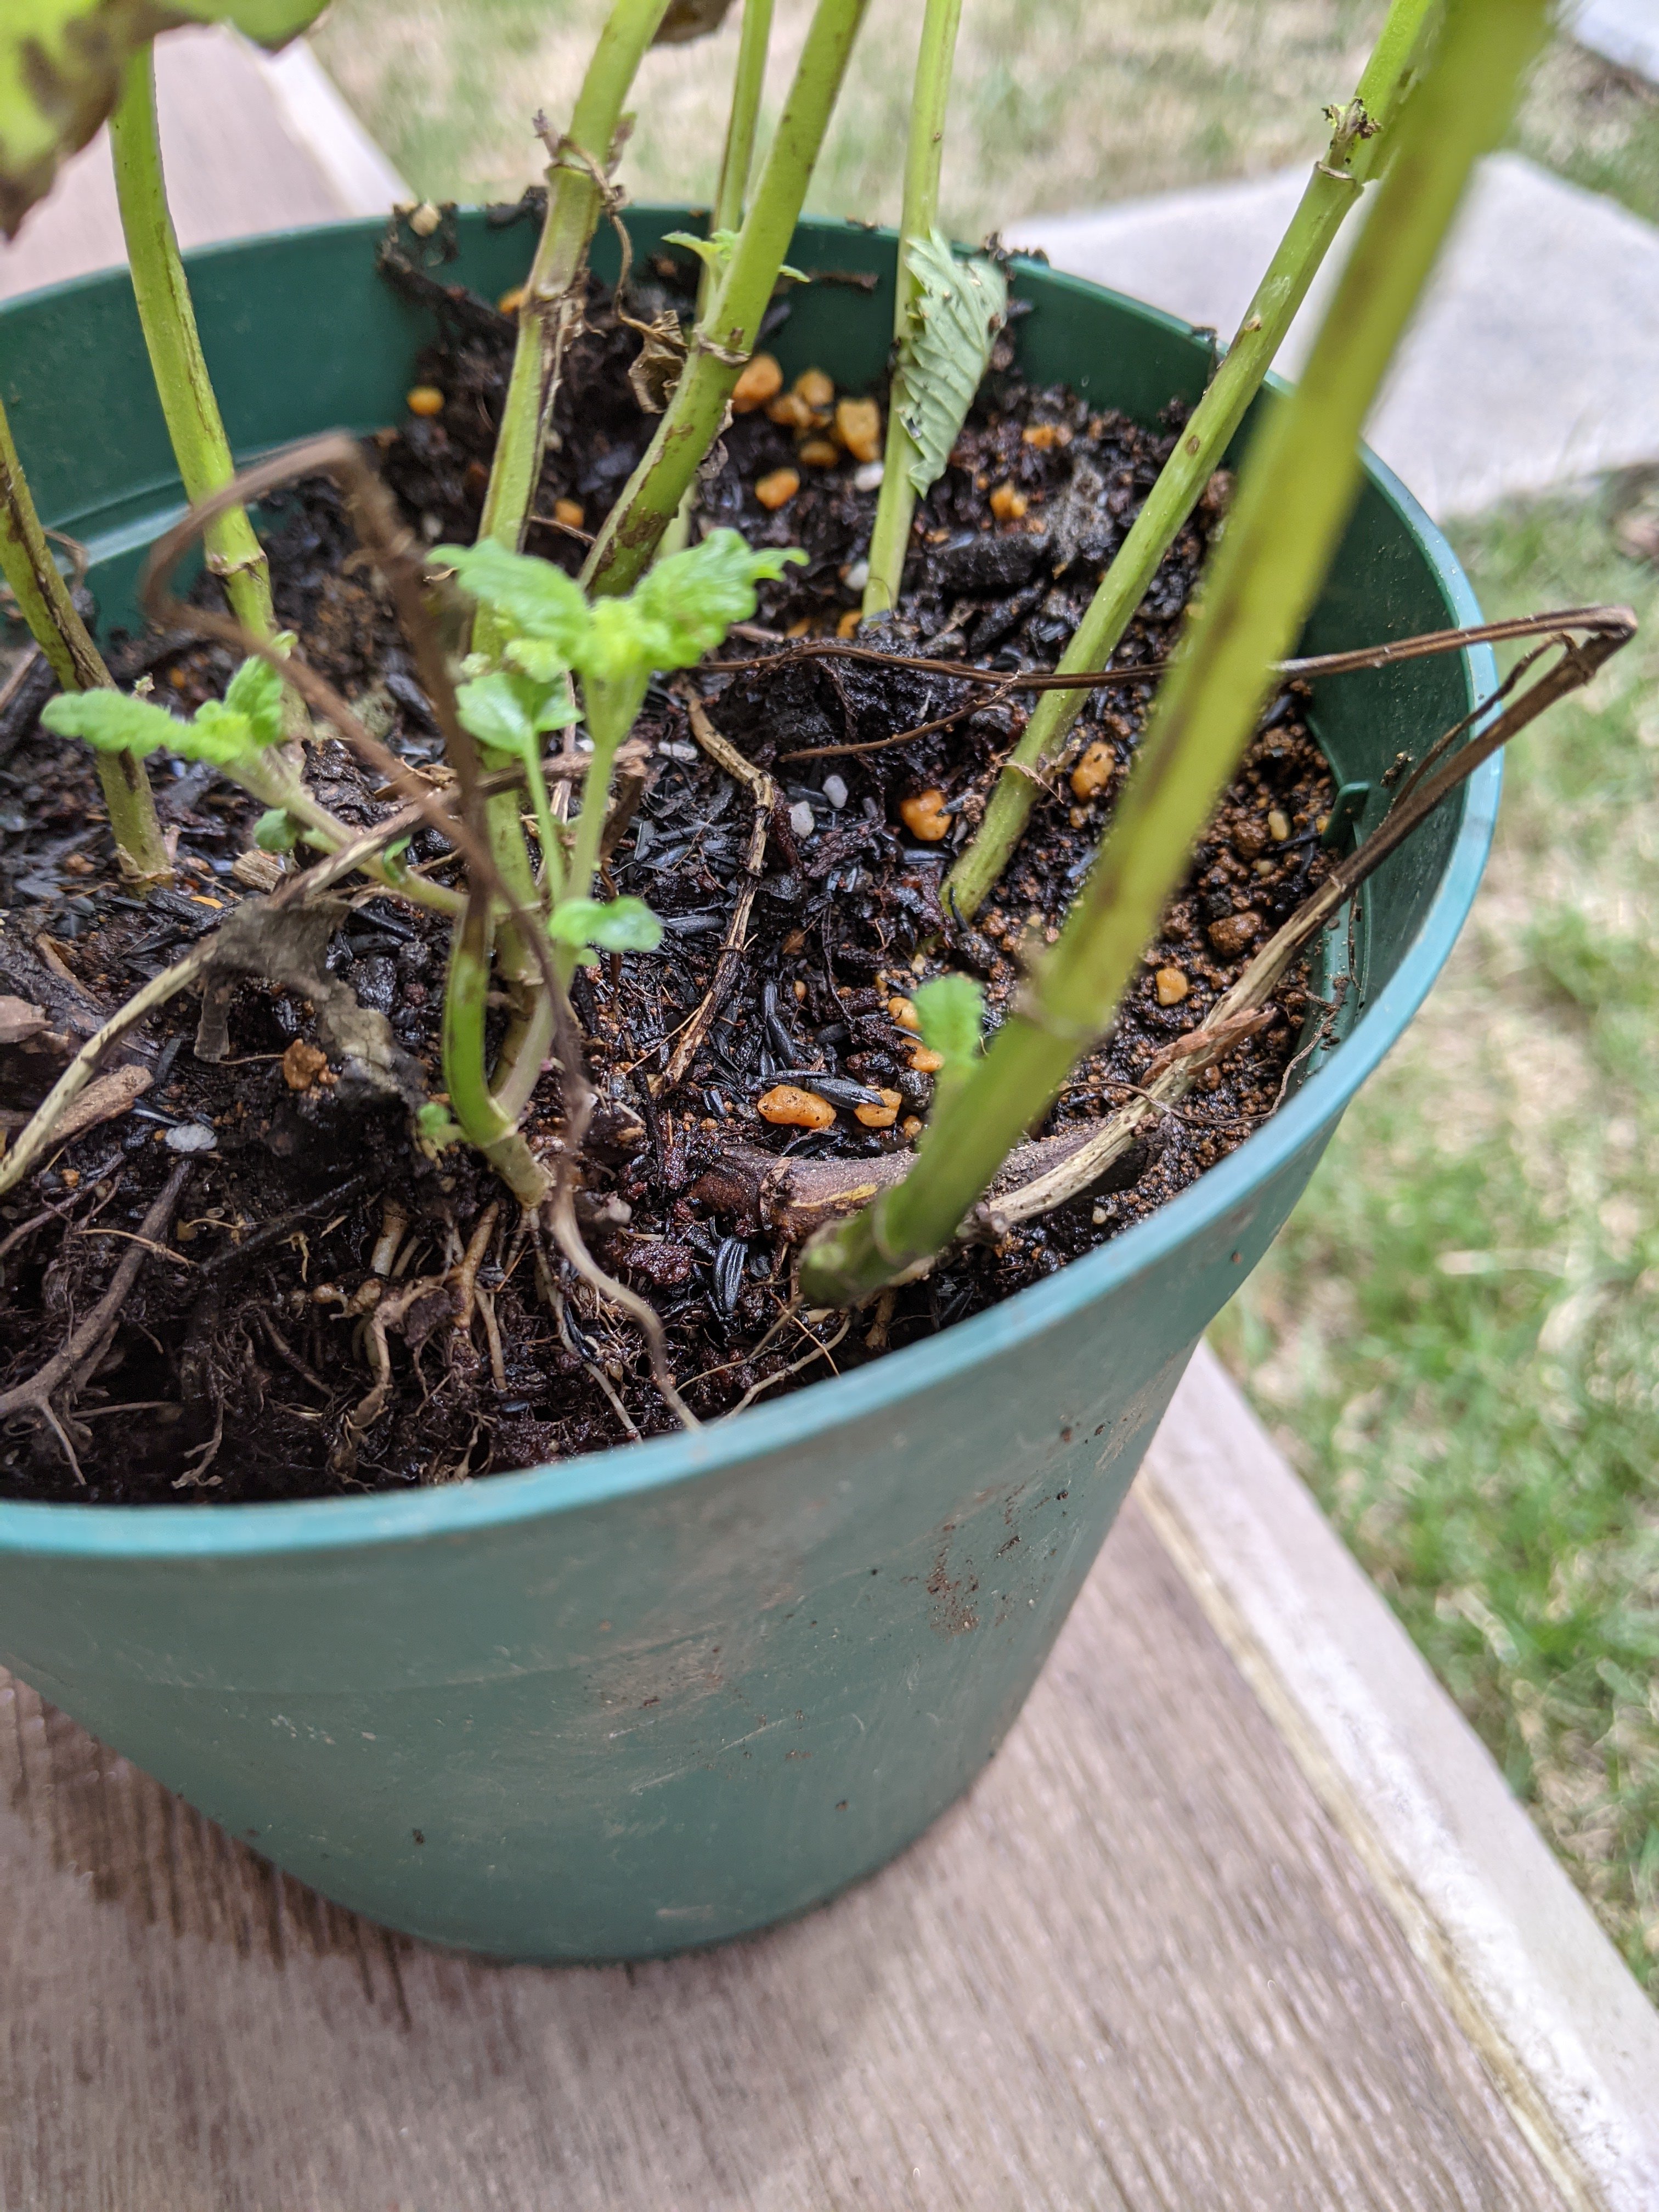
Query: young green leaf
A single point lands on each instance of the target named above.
(952, 1011)
(508, 712)
(684, 605)
(255, 692)
(960, 307)
(681, 608)
(112, 722)
(716, 250)
(60, 70)
(532, 597)
(436, 1127)
(623, 925)
(276, 830)
(220, 732)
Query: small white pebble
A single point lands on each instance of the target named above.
(836, 791)
(190, 1137)
(800, 819)
(1098, 1216)
(676, 748)
(858, 575)
(867, 478)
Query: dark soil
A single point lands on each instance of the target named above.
(246, 1343)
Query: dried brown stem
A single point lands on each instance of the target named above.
(1596, 619)
(727, 967)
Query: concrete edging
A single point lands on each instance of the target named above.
(1567, 2034)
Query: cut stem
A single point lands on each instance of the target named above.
(1298, 490)
(182, 384)
(44, 601)
(1359, 147)
(550, 313)
(890, 537)
(633, 531)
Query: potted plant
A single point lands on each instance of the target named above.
(431, 1154)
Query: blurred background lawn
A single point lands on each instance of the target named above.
(1457, 1339)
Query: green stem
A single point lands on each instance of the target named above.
(504, 832)
(890, 537)
(481, 1122)
(738, 157)
(1298, 489)
(331, 834)
(627, 542)
(1332, 189)
(182, 383)
(551, 310)
(609, 710)
(43, 599)
(726, 214)
(547, 830)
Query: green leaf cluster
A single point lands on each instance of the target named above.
(959, 308)
(509, 711)
(60, 70)
(232, 733)
(673, 616)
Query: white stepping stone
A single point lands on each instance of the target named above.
(1623, 32)
(1531, 360)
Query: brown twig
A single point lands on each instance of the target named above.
(903, 737)
(1596, 619)
(764, 793)
(88, 1343)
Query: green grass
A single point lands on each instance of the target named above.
(1594, 123)
(1057, 104)
(1457, 1337)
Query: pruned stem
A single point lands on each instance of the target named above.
(43, 598)
(1298, 490)
(633, 531)
(1360, 145)
(890, 537)
(182, 383)
(550, 313)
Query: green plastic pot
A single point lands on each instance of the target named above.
(661, 1695)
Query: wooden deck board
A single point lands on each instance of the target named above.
(236, 163)
(1137, 1967)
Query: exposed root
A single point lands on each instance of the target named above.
(385, 1313)
(465, 1277)
(561, 1214)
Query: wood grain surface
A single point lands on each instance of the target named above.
(1137, 1967)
